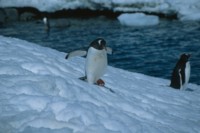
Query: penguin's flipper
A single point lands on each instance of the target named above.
(109, 50)
(176, 79)
(76, 53)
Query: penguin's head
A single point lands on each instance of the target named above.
(185, 57)
(98, 44)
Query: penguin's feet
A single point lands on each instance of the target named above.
(100, 82)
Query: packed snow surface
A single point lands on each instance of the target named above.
(40, 93)
(138, 19)
(186, 9)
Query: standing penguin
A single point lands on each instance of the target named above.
(96, 61)
(181, 73)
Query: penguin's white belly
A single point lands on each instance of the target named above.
(96, 62)
(187, 75)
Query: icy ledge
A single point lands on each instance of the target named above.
(185, 9)
(40, 93)
(138, 19)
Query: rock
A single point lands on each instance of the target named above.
(11, 14)
(56, 23)
(2, 17)
(27, 16)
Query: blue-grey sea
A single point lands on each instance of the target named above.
(150, 50)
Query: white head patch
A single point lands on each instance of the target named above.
(99, 42)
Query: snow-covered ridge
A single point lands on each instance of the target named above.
(40, 93)
(186, 9)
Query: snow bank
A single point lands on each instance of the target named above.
(186, 9)
(189, 15)
(138, 19)
(40, 93)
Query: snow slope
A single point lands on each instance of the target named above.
(40, 93)
(186, 9)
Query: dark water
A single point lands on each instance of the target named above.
(149, 50)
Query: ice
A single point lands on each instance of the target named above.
(40, 92)
(188, 15)
(138, 19)
(185, 9)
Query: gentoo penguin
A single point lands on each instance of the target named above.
(181, 73)
(96, 60)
